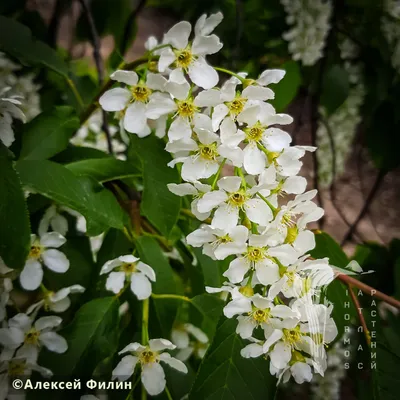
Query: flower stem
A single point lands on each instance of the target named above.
(168, 393)
(274, 209)
(240, 173)
(218, 174)
(188, 213)
(74, 90)
(171, 296)
(226, 71)
(145, 322)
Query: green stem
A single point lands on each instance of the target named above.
(240, 173)
(78, 97)
(129, 396)
(273, 208)
(168, 393)
(145, 322)
(161, 46)
(226, 71)
(144, 393)
(218, 174)
(171, 296)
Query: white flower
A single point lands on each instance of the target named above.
(197, 190)
(5, 288)
(20, 332)
(232, 198)
(149, 357)
(132, 101)
(139, 274)
(191, 56)
(51, 218)
(219, 244)
(58, 301)
(189, 339)
(43, 251)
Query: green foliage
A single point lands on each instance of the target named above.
(14, 218)
(225, 374)
(17, 40)
(92, 336)
(212, 269)
(48, 133)
(159, 205)
(97, 205)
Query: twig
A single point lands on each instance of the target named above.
(99, 66)
(128, 25)
(378, 181)
(354, 298)
(368, 289)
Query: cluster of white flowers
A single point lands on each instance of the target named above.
(343, 122)
(390, 25)
(274, 287)
(19, 98)
(310, 20)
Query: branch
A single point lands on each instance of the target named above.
(129, 24)
(368, 289)
(378, 181)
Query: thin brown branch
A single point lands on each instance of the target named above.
(367, 289)
(358, 307)
(375, 189)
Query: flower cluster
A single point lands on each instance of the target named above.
(310, 20)
(342, 124)
(273, 284)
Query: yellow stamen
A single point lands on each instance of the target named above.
(238, 199)
(141, 93)
(147, 356)
(208, 151)
(32, 337)
(186, 108)
(236, 106)
(183, 58)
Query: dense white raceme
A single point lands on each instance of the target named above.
(310, 26)
(257, 213)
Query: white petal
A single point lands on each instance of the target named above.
(219, 113)
(301, 372)
(258, 211)
(195, 168)
(284, 312)
(153, 378)
(109, 266)
(203, 45)
(32, 275)
(115, 281)
(202, 74)
(267, 273)
(226, 249)
(275, 335)
(160, 104)
(140, 286)
(47, 322)
(237, 270)
(271, 76)
(55, 260)
(285, 253)
(252, 350)
(132, 347)
(173, 362)
(197, 333)
(179, 90)
(179, 129)
(276, 139)
(125, 368)
(59, 224)
(147, 270)
(258, 93)
(295, 185)
(167, 57)
(230, 183)
(211, 200)
(54, 342)
(280, 355)
(237, 306)
(178, 35)
(208, 98)
(205, 25)
(182, 189)
(161, 344)
(225, 217)
(245, 328)
(199, 237)
(254, 160)
(135, 117)
(305, 241)
(11, 337)
(52, 239)
(128, 77)
(129, 258)
(200, 216)
(60, 305)
(180, 338)
(155, 81)
(115, 99)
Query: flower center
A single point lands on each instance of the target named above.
(255, 254)
(208, 151)
(147, 357)
(287, 219)
(237, 199)
(128, 268)
(236, 106)
(35, 251)
(16, 367)
(292, 336)
(141, 93)
(183, 58)
(224, 239)
(254, 133)
(186, 108)
(32, 337)
(260, 315)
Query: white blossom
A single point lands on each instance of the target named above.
(189, 339)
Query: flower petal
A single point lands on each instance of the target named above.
(173, 362)
(237, 270)
(178, 35)
(211, 200)
(147, 270)
(225, 217)
(161, 344)
(140, 286)
(153, 378)
(47, 322)
(32, 275)
(52, 239)
(208, 98)
(252, 350)
(203, 74)
(254, 159)
(258, 211)
(135, 117)
(271, 76)
(160, 104)
(203, 45)
(54, 342)
(258, 93)
(55, 260)
(182, 189)
(115, 99)
(115, 281)
(128, 77)
(124, 369)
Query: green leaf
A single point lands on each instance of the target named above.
(48, 133)
(92, 336)
(210, 309)
(336, 292)
(286, 90)
(225, 374)
(17, 40)
(96, 204)
(212, 269)
(151, 254)
(159, 205)
(104, 169)
(335, 88)
(14, 218)
(77, 153)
